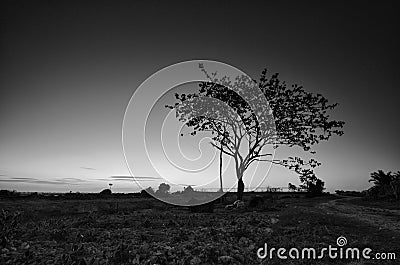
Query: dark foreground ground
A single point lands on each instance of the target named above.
(145, 231)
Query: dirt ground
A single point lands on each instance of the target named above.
(381, 218)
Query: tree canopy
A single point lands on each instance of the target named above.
(244, 115)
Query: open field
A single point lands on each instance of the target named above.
(146, 231)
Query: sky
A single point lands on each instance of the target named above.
(70, 68)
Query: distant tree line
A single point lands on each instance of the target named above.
(386, 187)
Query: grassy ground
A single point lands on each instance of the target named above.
(145, 231)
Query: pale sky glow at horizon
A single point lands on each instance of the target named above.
(69, 69)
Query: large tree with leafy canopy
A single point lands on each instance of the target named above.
(241, 126)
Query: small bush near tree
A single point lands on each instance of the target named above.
(105, 192)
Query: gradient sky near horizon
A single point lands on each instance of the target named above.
(69, 68)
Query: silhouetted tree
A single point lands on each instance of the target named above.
(386, 184)
(316, 187)
(395, 184)
(301, 119)
(380, 178)
(310, 183)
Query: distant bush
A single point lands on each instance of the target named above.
(105, 192)
(188, 190)
(163, 189)
(147, 193)
(7, 193)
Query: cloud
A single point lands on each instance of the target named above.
(23, 178)
(73, 179)
(129, 178)
(134, 177)
(62, 181)
(191, 185)
(14, 180)
(52, 182)
(88, 168)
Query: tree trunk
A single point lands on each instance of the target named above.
(240, 189)
(220, 169)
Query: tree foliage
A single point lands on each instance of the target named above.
(380, 178)
(386, 185)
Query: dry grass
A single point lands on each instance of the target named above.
(145, 231)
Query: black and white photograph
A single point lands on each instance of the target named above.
(176, 132)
